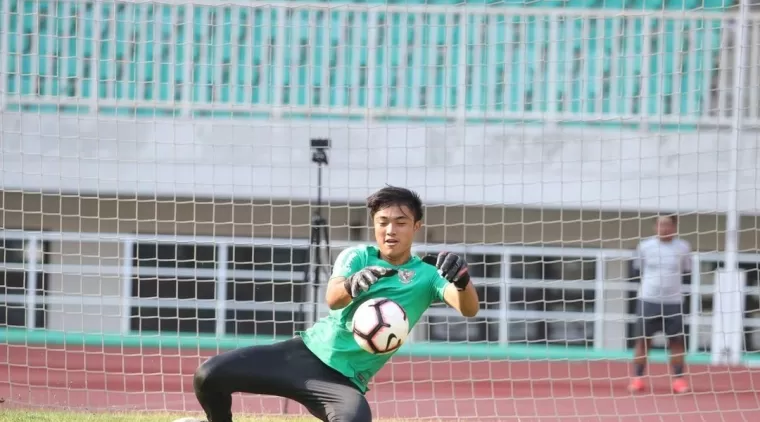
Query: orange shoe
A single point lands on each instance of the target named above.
(680, 386)
(637, 385)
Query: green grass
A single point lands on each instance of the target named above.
(7, 415)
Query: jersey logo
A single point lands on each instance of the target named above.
(390, 340)
(405, 276)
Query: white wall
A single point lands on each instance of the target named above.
(501, 164)
(88, 318)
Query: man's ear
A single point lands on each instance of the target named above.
(417, 225)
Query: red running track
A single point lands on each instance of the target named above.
(525, 391)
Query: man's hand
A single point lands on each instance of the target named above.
(362, 280)
(452, 267)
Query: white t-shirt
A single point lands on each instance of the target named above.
(662, 266)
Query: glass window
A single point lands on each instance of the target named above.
(482, 265)
(291, 289)
(172, 320)
(553, 268)
(264, 323)
(12, 314)
(752, 300)
(459, 329)
(284, 291)
(268, 258)
(12, 251)
(489, 296)
(14, 282)
(175, 255)
(567, 330)
(173, 288)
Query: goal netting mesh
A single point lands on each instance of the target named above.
(160, 194)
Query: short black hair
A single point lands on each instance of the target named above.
(395, 196)
(672, 217)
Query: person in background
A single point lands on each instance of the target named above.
(663, 260)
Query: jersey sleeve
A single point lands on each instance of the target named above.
(349, 261)
(638, 257)
(439, 286)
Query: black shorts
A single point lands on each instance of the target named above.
(659, 317)
(287, 369)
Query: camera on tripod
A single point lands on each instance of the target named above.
(317, 272)
(319, 148)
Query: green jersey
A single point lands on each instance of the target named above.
(415, 287)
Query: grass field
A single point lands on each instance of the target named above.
(7, 415)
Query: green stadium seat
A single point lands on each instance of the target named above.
(222, 55)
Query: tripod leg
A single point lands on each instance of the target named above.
(326, 251)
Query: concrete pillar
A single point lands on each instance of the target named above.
(615, 305)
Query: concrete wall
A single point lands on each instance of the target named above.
(94, 284)
(448, 224)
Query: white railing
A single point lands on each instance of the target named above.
(605, 311)
(403, 61)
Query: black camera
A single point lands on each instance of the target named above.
(320, 147)
(322, 143)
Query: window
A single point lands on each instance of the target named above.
(480, 329)
(527, 303)
(175, 288)
(172, 320)
(269, 258)
(268, 275)
(14, 283)
(484, 266)
(13, 312)
(457, 328)
(174, 255)
(751, 304)
(564, 330)
(553, 268)
(173, 271)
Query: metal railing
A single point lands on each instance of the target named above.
(222, 276)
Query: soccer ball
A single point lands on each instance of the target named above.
(380, 326)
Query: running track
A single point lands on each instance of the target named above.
(525, 391)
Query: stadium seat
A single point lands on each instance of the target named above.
(157, 53)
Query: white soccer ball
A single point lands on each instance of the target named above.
(380, 326)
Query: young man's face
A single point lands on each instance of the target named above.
(665, 227)
(394, 231)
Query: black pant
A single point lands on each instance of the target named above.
(286, 369)
(660, 317)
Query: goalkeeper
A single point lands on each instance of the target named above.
(323, 368)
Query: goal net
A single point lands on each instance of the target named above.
(177, 177)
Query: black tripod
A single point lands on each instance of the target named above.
(319, 232)
(319, 240)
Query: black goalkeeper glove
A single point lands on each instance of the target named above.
(452, 267)
(362, 280)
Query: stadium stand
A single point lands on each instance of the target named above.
(521, 61)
